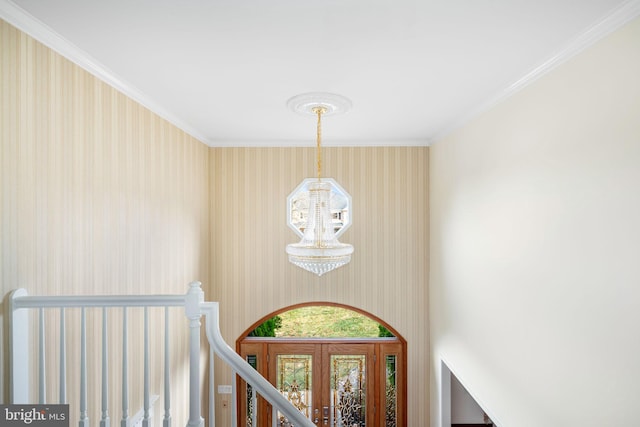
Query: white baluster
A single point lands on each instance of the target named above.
(145, 419)
(254, 407)
(166, 421)
(212, 406)
(104, 420)
(234, 412)
(193, 299)
(84, 419)
(125, 388)
(63, 359)
(41, 359)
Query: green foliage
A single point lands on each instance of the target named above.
(268, 328)
(384, 332)
(326, 322)
(321, 322)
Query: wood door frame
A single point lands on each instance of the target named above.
(396, 345)
(380, 348)
(259, 322)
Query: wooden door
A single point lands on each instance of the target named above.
(340, 383)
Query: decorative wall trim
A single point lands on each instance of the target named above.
(35, 28)
(310, 143)
(615, 20)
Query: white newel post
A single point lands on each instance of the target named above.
(193, 299)
(19, 347)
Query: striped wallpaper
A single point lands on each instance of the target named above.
(99, 195)
(388, 274)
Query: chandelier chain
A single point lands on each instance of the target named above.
(319, 111)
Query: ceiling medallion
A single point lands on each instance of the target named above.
(319, 251)
(332, 103)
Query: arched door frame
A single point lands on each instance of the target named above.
(246, 333)
(399, 339)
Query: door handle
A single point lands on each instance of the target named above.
(325, 415)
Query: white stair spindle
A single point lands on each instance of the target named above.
(145, 419)
(63, 359)
(254, 407)
(192, 310)
(212, 406)
(42, 385)
(166, 421)
(234, 412)
(84, 419)
(125, 387)
(104, 419)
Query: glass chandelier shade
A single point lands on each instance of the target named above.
(319, 251)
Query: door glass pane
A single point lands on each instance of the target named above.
(294, 382)
(348, 395)
(391, 405)
(252, 398)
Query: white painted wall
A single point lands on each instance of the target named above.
(535, 247)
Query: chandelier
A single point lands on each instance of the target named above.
(319, 251)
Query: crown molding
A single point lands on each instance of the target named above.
(610, 23)
(25, 22)
(615, 20)
(334, 143)
(35, 28)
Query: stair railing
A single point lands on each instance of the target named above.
(195, 307)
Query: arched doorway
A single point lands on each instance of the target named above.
(342, 381)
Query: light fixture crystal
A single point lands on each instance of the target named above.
(319, 251)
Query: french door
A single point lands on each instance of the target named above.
(338, 383)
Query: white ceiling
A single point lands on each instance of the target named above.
(223, 69)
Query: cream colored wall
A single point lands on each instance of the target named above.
(98, 196)
(387, 277)
(535, 244)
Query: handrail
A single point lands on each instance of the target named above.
(69, 301)
(246, 371)
(194, 306)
